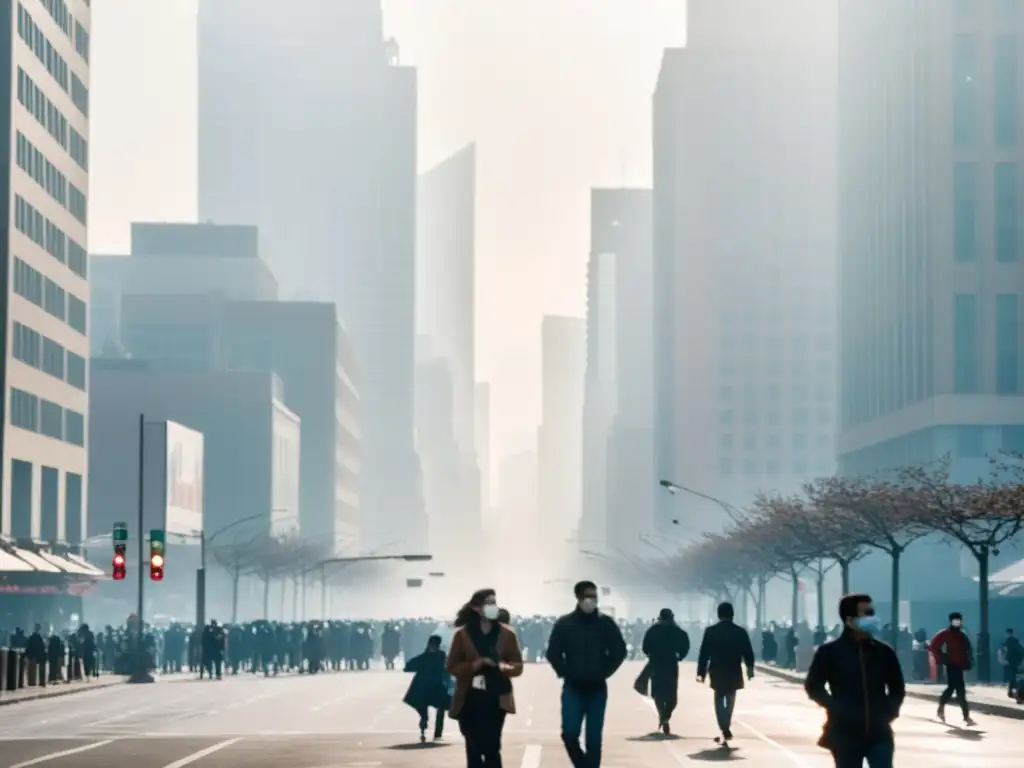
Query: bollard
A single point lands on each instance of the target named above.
(3, 669)
(22, 664)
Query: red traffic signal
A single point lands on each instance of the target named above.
(118, 567)
(156, 567)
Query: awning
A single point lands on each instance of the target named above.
(38, 563)
(65, 565)
(9, 563)
(1011, 575)
(89, 568)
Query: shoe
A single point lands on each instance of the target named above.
(941, 714)
(423, 737)
(665, 728)
(727, 735)
(969, 722)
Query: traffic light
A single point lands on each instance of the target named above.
(120, 539)
(156, 555)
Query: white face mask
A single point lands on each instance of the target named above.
(588, 604)
(956, 623)
(491, 612)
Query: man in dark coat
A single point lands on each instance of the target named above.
(430, 686)
(665, 644)
(724, 651)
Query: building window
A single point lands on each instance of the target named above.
(749, 467)
(28, 282)
(82, 41)
(79, 95)
(51, 419)
(76, 313)
(965, 343)
(1007, 344)
(43, 172)
(34, 100)
(53, 358)
(73, 508)
(1006, 212)
(750, 417)
(27, 345)
(74, 427)
(48, 236)
(725, 441)
(1004, 87)
(772, 467)
(799, 467)
(725, 466)
(77, 204)
(970, 442)
(773, 442)
(750, 442)
(725, 418)
(78, 261)
(965, 90)
(76, 370)
(800, 416)
(24, 410)
(79, 150)
(799, 442)
(54, 299)
(34, 38)
(965, 212)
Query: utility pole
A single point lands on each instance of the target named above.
(140, 673)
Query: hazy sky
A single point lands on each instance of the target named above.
(556, 94)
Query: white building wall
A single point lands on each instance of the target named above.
(49, 241)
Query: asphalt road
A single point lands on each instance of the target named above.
(357, 720)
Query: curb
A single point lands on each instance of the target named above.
(59, 692)
(985, 708)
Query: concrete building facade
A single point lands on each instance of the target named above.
(45, 296)
(560, 436)
(350, 236)
(931, 325)
(744, 253)
(251, 454)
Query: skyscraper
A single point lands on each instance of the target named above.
(308, 130)
(560, 437)
(483, 443)
(930, 248)
(744, 251)
(45, 296)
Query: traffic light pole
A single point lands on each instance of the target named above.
(140, 672)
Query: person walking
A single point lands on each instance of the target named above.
(483, 657)
(585, 649)
(430, 687)
(858, 681)
(665, 644)
(951, 648)
(1011, 655)
(724, 651)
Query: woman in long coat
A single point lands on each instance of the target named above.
(430, 686)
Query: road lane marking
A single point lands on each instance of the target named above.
(793, 756)
(531, 757)
(195, 756)
(62, 753)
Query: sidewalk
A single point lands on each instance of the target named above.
(985, 699)
(58, 689)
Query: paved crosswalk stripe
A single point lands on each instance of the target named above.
(189, 759)
(62, 753)
(531, 757)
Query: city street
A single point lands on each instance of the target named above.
(357, 720)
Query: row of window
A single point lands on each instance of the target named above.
(800, 393)
(35, 414)
(967, 97)
(58, 10)
(81, 41)
(798, 467)
(77, 204)
(55, 64)
(41, 352)
(966, 208)
(753, 369)
(43, 172)
(753, 341)
(45, 293)
(967, 344)
(46, 113)
(752, 416)
(48, 236)
(798, 442)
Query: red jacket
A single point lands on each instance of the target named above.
(952, 648)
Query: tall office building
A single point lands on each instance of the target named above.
(446, 274)
(482, 428)
(560, 437)
(930, 158)
(620, 235)
(744, 252)
(327, 170)
(44, 303)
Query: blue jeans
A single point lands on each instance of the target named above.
(877, 754)
(579, 704)
(724, 703)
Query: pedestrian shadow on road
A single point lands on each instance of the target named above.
(654, 736)
(416, 745)
(967, 734)
(715, 755)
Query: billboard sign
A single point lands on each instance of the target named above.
(173, 477)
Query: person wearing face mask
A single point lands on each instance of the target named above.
(483, 657)
(585, 648)
(858, 681)
(951, 648)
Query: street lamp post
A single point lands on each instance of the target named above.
(734, 514)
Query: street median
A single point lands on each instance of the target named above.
(982, 701)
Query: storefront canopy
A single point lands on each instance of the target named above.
(9, 563)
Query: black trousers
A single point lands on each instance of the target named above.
(438, 721)
(481, 724)
(955, 684)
